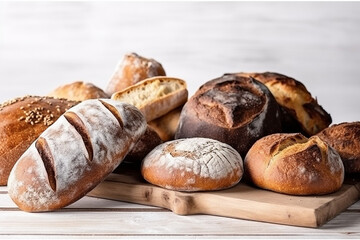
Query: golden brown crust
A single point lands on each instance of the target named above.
(166, 125)
(22, 121)
(345, 139)
(232, 109)
(155, 96)
(293, 164)
(296, 101)
(193, 164)
(78, 91)
(131, 70)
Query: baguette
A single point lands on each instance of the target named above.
(22, 121)
(75, 154)
(155, 97)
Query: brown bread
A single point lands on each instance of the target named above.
(22, 121)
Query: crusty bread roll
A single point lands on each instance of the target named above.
(193, 164)
(75, 154)
(154, 96)
(296, 101)
(22, 121)
(232, 109)
(345, 139)
(78, 91)
(147, 142)
(294, 164)
(166, 125)
(131, 70)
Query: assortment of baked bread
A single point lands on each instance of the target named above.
(263, 127)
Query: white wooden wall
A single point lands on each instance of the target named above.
(46, 44)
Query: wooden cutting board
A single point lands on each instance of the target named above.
(242, 201)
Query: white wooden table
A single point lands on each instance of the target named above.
(101, 219)
(44, 45)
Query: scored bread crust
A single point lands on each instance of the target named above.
(193, 164)
(78, 91)
(75, 154)
(294, 164)
(155, 97)
(345, 139)
(231, 109)
(295, 100)
(131, 70)
(22, 121)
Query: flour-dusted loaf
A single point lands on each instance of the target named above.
(300, 110)
(155, 97)
(22, 120)
(345, 139)
(75, 154)
(232, 109)
(193, 164)
(78, 91)
(131, 70)
(293, 164)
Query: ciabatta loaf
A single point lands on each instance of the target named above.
(75, 154)
(22, 120)
(155, 96)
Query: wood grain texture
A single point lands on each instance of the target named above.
(241, 201)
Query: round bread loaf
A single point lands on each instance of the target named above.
(300, 110)
(78, 91)
(294, 164)
(131, 70)
(345, 139)
(193, 164)
(232, 109)
(22, 121)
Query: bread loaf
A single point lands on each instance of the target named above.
(166, 125)
(22, 121)
(131, 70)
(296, 102)
(75, 154)
(78, 91)
(231, 109)
(345, 139)
(154, 97)
(147, 142)
(193, 164)
(294, 164)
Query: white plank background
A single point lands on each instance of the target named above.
(46, 44)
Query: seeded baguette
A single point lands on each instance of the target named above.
(75, 154)
(22, 121)
(155, 97)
